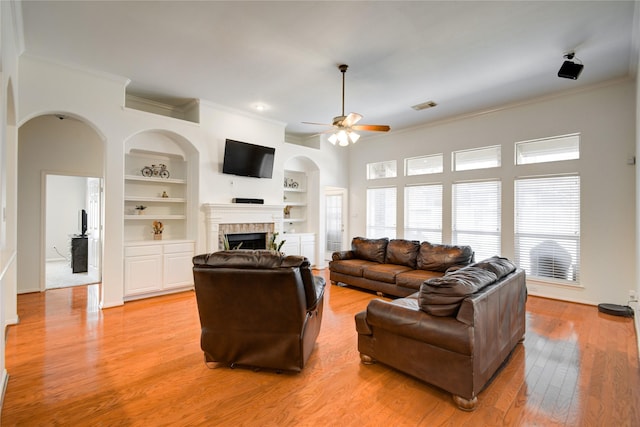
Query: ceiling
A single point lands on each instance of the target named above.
(468, 57)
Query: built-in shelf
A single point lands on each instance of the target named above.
(155, 180)
(152, 217)
(154, 199)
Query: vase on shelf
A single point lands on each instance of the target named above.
(157, 236)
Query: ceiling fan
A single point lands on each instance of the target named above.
(344, 126)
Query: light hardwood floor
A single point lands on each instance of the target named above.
(71, 364)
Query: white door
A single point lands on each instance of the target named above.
(94, 195)
(335, 221)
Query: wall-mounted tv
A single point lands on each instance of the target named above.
(244, 159)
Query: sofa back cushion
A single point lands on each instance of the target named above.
(498, 265)
(370, 249)
(442, 296)
(436, 257)
(402, 252)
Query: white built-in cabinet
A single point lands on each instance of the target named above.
(300, 244)
(155, 265)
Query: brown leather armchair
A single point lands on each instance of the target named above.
(257, 308)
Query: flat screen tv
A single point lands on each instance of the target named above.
(83, 222)
(244, 159)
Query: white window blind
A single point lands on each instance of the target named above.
(476, 217)
(381, 212)
(547, 227)
(423, 165)
(387, 169)
(423, 213)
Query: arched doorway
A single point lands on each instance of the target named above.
(50, 144)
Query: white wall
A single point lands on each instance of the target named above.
(605, 117)
(65, 197)
(98, 100)
(10, 49)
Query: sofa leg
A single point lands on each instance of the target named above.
(466, 404)
(366, 360)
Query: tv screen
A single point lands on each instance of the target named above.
(83, 222)
(244, 159)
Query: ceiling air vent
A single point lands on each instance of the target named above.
(424, 105)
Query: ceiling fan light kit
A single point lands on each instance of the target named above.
(345, 126)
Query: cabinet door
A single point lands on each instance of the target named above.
(142, 274)
(178, 270)
(308, 248)
(291, 245)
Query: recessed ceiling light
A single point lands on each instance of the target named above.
(424, 105)
(259, 107)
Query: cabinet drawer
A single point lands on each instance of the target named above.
(178, 247)
(142, 250)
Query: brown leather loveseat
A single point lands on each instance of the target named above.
(454, 333)
(395, 267)
(258, 308)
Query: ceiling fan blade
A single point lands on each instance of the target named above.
(372, 128)
(314, 123)
(351, 119)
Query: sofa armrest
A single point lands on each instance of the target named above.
(318, 285)
(340, 255)
(362, 327)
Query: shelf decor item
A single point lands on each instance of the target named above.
(290, 183)
(287, 211)
(140, 209)
(159, 170)
(158, 228)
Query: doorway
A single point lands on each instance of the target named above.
(72, 230)
(335, 220)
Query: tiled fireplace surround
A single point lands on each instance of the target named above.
(224, 219)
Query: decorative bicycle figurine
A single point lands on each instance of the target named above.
(159, 170)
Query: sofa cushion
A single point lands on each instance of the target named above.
(498, 265)
(442, 296)
(412, 279)
(352, 267)
(441, 257)
(384, 272)
(370, 249)
(402, 252)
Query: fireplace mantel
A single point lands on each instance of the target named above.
(239, 213)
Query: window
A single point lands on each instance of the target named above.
(476, 217)
(547, 226)
(378, 170)
(423, 213)
(548, 149)
(381, 212)
(479, 158)
(423, 165)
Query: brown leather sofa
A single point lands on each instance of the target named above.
(258, 308)
(454, 333)
(394, 267)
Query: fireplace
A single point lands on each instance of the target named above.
(247, 240)
(239, 218)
